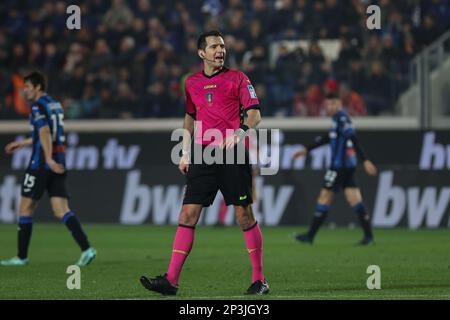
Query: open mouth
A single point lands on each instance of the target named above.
(219, 58)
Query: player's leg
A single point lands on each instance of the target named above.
(33, 187)
(57, 191)
(323, 204)
(182, 245)
(199, 193)
(236, 185)
(354, 198)
(61, 210)
(254, 242)
(25, 227)
(331, 184)
(26, 207)
(184, 239)
(201, 189)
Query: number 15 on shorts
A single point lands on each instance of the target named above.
(330, 176)
(29, 181)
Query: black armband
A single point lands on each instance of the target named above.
(244, 127)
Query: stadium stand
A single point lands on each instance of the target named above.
(130, 58)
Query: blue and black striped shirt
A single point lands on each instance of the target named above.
(46, 111)
(343, 142)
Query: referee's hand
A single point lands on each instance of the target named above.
(184, 164)
(230, 142)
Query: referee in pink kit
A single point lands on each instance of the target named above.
(216, 98)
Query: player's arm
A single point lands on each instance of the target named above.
(368, 165)
(249, 101)
(319, 141)
(45, 137)
(16, 145)
(349, 132)
(188, 126)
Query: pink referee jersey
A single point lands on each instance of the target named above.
(216, 101)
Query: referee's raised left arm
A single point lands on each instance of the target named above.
(252, 120)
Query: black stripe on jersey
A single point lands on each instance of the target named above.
(43, 110)
(255, 106)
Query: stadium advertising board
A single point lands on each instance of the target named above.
(130, 179)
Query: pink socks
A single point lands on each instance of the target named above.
(182, 245)
(253, 240)
(184, 238)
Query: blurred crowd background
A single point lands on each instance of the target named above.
(130, 58)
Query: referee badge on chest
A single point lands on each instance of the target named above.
(209, 98)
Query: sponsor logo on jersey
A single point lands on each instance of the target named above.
(252, 92)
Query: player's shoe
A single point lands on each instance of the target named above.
(366, 241)
(258, 287)
(304, 238)
(14, 262)
(86, 257)
(159, 284)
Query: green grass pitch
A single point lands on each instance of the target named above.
(414, 264)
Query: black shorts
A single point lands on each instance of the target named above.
(335, 180)
(233, 180)
(35, 182)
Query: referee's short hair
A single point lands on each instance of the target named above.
(201, 43)
(36, 78)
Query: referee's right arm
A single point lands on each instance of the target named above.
(188, 127)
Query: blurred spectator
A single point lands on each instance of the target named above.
(126, 52)
(261, 11)
(357, 77)
(347, 54)
(158, 102)
(73, 58)
(333, 15)
(19, 57)
(118, 16)
(144, 10)
(101, 57)
(427, 32)
(352, 101)
(378, 92)
(373, 50)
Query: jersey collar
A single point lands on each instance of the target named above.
(215, 74)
